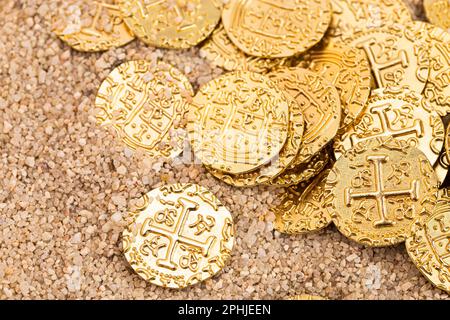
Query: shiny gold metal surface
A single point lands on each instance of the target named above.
(181, 235)
(177, 24)
(378, 189)
(399, 113)
(91, 26)
(303, 208)
(429, 243)
(276, 28)
(146, 103)
(238, 122)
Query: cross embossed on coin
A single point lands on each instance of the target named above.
(387, 126)
(177, 236)
(381, 194)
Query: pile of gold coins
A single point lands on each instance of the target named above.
(344, 104)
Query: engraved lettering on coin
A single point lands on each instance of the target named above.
(320, 103)
(182, 235)
(429, 243)
(349, 71)
(146, 104)
(276, 28)
(238, 122)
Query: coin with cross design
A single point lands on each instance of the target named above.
(91, 26)
(145, 103)
(397, 57)
(180, 235)
(238, 122)
(378, 188)
(399, 113)
(174, 24)
(429, 243)
(276, 28)
(350, 16)
(438, 12)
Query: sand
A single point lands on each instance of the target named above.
(66, 185)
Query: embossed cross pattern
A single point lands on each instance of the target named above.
(177, 235)
(380, 194)
(386, 126)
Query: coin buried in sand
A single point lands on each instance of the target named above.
(377, 190)
(145, 104)
(401, 114)
(438, 12)
(91, 26)
(222, 52)
(181, 235)
(302, 172)
(303, 207)
(266, 173)
(238, 122)
(349, 16)
(429, 243)
(276, 29)
(320, 103)
(349, 71)
(397, 57)
(177, 24)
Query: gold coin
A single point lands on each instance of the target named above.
(180, 236)
(441, 167)
(378, 189)
(348, 70)
(396, 57)
(177, 24)
(303, 171)
(447, 142)
(238, 122)
(145, 103)
(306, 297)
(288, 154)
(223, 53)
(356, 15)
(401, 114)
(91, 26)
(437, 89)
(429, 243)
(276, 29)
(438, 12)
(320, 103)
(303, 208)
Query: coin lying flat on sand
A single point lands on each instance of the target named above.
(181, 235)
(145, 103)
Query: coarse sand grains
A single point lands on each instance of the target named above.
(66, 185)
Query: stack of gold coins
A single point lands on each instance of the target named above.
(343, 104)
